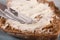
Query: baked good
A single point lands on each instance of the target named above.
(42, 11)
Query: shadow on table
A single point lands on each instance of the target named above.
(4, 36)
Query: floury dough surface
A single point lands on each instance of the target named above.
(31, 9)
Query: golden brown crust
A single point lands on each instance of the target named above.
(2, 21)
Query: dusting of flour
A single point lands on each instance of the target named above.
(31, 9)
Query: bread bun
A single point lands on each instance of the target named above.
(42, 11)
